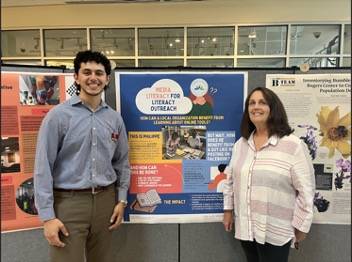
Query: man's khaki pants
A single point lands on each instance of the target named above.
(87, 218)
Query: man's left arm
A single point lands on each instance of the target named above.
(121, 166)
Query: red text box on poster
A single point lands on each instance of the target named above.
(165, 178)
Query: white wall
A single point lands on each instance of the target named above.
(214, 12)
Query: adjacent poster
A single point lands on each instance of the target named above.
(26, 97)
(319, 109)
(181, 129)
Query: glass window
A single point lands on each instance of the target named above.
(114, 42)
(346, 61)
(261, 62)
(210, 41)
(315, 61)
(160, 62)
(21, 62)
(210, 62)
(64, 42)
(262, 40)
(160, 42)
(347, 40)
(20, 43)
(67, 63)
(124, 62)
(315, 39)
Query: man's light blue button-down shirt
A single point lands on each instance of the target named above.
(78, 148)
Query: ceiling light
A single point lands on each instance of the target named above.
(115, 43)
(214, 39)
(252, 34)
(177, 40)
(36, 46)
(316, 34)
(62, 44)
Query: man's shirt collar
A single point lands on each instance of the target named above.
(75, 100)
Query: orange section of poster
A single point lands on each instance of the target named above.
(17, 203)
(26, 98)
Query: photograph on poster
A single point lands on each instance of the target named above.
(25, 197)
(320, 203)
(10, 156)
(149, 198)
(335, 131)
(136, 207)
(184, 142)
(323, 176)
(39, 90)
(343, 174)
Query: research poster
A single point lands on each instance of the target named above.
(26, 97)
(181, 128)
(319, 109)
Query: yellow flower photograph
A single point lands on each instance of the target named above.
(336, 131)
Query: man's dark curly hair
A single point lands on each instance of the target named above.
(91, 56)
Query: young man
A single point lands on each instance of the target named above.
(81, 165)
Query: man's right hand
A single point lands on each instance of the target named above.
(228, 220)
(52, 228)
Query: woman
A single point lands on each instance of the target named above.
(270, 186)
(194, 140)
(172, 144)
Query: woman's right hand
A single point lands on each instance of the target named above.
(228, 220)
